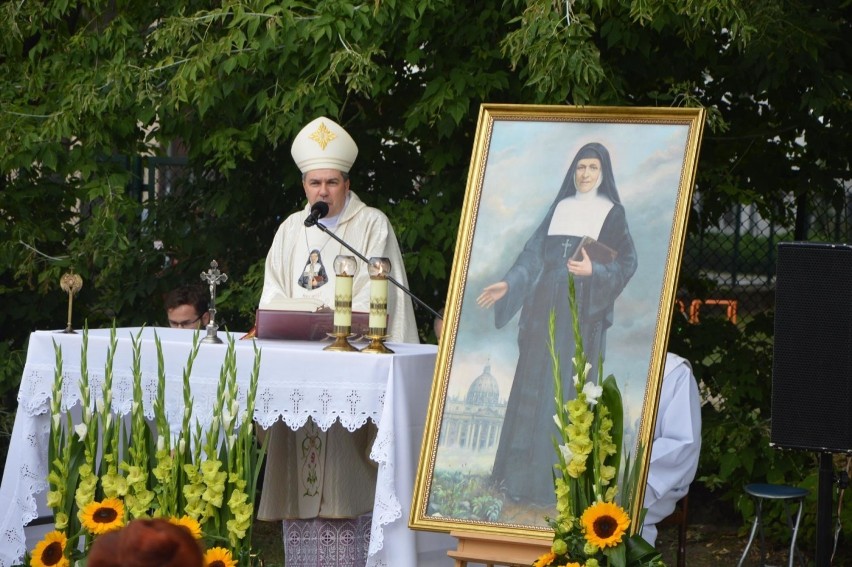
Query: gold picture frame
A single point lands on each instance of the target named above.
(476, 475)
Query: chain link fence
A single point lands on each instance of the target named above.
(728, 267)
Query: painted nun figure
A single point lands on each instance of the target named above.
(587, 205)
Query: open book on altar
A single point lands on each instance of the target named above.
(597, 251)
(303, 319)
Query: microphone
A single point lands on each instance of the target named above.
(318, 211)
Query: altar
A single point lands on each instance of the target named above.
(297, 380)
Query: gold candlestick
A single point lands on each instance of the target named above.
(379, 268)
(70, 283)
(344, 270)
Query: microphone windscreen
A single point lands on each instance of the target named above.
(320, 209)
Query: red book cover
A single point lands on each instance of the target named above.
(303, 325)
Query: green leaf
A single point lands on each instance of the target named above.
(617, 555)
(611, 398)
(640, 552)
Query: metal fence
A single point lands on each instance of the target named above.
(155, 177)
(728, 266)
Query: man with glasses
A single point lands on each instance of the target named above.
(187, 307)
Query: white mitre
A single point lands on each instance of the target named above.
(324, 144)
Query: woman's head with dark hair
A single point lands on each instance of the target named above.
(147, 543)
(314, 257)
(606, 186)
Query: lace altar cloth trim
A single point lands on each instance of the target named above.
(294, 404)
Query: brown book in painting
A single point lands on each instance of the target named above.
(597, 251)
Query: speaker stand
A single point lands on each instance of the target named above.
(824, 508)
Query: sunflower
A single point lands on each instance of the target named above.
(605, 524)
(189, 523)
(545, 559)
(219, 557)
(50, 552)
(102, 517)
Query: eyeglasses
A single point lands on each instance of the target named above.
(184, 324)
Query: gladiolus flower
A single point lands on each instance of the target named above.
(80, 429)
(593, 392)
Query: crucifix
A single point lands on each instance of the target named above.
(213, 277)
(565, 246)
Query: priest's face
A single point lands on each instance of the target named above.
(587, 173)
(329, 186)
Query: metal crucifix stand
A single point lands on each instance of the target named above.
(213, 277)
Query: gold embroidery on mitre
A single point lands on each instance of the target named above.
(323, 136)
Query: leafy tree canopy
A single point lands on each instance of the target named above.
(94, 92)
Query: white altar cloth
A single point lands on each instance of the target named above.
(297, 380)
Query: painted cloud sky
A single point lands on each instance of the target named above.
(526, 164)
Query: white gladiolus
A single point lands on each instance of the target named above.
(161, 442)
(226, 419)
(593, 392)
(80, 429)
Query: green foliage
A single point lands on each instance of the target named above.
(733, 365)
(10, 377)
(744, 254)
(456, 494)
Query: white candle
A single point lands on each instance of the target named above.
(378, 303)
(343, 301)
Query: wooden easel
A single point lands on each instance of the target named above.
(494, 550)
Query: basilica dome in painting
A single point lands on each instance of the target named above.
(484, 391)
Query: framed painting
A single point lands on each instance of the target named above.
(600, 192)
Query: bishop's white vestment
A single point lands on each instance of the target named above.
(311, 473)
(676, 446)
(364, 228)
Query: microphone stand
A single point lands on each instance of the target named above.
(323, 228)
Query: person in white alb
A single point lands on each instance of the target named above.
(312, 474)
(324, 152)
(676, 446)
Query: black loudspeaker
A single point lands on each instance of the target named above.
(812, 362)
